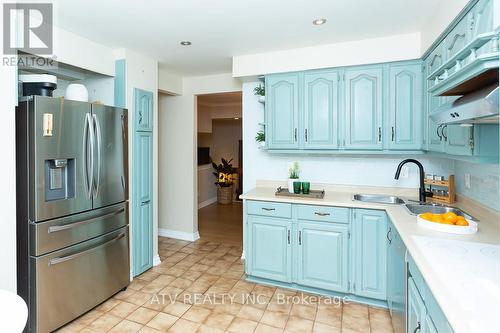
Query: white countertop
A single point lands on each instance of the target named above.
(471, 313)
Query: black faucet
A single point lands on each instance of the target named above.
(422, 194)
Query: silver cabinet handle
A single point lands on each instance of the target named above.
(268, 209)
(288, 236)
(321, 214)
(295, 134)
(417, 328)
(392, 133)
(306, 134)
(379, 134)
(97, 128)
(57, 228)
(300, 237)
(388, 236)
(437, 132)
(145, 202)
(442, 132)
(59, 260)
(140, 117)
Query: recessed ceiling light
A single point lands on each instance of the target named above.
(319, 21)
(185, 43)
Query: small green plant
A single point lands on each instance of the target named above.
(294, 171)
(223, 173)
(260, 136)
(260, 90)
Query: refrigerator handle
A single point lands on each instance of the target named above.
(98, 140)
(88, 142)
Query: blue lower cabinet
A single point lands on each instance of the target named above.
(369, 254)
(314, 268)
(396, 277)
(268, 251)
(458, 140)
(428, 325)
(416, 308)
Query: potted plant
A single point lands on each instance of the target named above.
(223, 172)
(260, 137)
(293, 175)
(260, 91)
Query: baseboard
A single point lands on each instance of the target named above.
(187, 236)
(156, 260)
(243, 255)
(207, 202)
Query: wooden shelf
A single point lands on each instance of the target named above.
(449, 184)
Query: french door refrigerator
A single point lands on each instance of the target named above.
(72, 207)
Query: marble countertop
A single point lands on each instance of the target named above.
(458, 313)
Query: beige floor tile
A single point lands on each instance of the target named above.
(147, 329)
(263, 328)
(219, 320)
(184, 326)
(72, 327)
(323, 328)
(89, 317)
(276, 319)
(329, 316)
(137, 284)
(126, 326)
(142, 315)
(240, 325)
(251, 313)
(176, 309)
(86, 330)
(197, 314)
(299, 325)
(125, 294)
(303, 311)
(123, 309)
(104, 323)
(231, 308)
(355, 323)
(139, 298)
(108, 305)
(279, 307)
(181, 283)
(208, 329)
(162, 321)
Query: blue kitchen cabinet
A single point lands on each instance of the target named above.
(416, 308)
(142, 223)
(427, 325)
(435, 139)
(363, 108)
(321, 110)
(481, 17)
(315, 269)
(268, 248)
(396, 277)
(458, 140)
(369, 255)
(143, 111)
(405, 106)
(282, 111)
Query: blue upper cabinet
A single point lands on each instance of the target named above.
(481, 18)
(314, 268)
(282, 111)
(458, 140)
(143, 110)
(320, 110)
(405, 107)
(458, 37)
(363, 113)
(369, 230)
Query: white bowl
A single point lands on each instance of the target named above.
(77, 92)
(449, 228)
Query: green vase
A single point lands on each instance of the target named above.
(297, 187)
(306, 186)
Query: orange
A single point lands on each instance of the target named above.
(462, 223)
(450, 217)
(426, 216)
(437, 218)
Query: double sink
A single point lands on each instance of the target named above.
(413, 208)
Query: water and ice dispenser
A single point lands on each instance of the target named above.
(59, 179)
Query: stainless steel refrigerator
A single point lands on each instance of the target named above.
(72, 207)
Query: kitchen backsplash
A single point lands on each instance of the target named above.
(484, 182)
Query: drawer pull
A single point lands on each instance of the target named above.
(57, 228)
(321, 214)
(59, 260)
(268, 209)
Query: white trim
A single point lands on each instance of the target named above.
(131, 275)
(207, 202)
(243, 255)
(156, 260)
(187, 236)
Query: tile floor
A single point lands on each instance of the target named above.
(192, 289)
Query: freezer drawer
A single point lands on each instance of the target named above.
(63, 232)
(68, 283)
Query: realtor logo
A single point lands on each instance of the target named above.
(27, 27)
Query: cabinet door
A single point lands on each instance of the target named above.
(428, 325)
(434, 136)
(457, 38)
(320, 110)
(314, 268)
(482, 17)
(363, 99)
(415, 308)
(458, 140)
(142, 224)
(143, 110)
(405, 98)
(269, 248)
(370, 253)
(282, 111)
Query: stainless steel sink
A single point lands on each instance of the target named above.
(419, 208)
(385, 199)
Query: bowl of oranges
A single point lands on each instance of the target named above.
(447, 222)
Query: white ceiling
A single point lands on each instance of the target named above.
(220, 29)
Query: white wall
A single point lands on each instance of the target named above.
(178, 157)
(371, 170)
(169, 82)
(225, 136)
(207, 190)
(391, 48)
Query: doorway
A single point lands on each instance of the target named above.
(220, 212)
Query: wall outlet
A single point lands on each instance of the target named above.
(467, 180)
(404, 172)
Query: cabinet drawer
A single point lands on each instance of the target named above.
(266, 208)
(323, 213)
